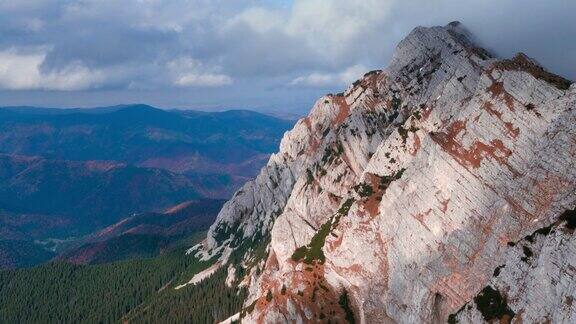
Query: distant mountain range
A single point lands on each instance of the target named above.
(235, 142)
(65, 173)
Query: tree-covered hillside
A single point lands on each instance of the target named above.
(137, 291)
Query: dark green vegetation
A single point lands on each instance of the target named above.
(541, 231)
(269, 296)
(248, 251)
(496, 272)
(527, 253)
(344, 302)
(331, 154)
(209, 301)
(404, 132)
(17, 254)
(364, 190)
(309, 177)
(124, 247)
(385, 181)
(312, 252)
(146, 235)
(452, 318)
(396, 103)
(139, 290)
(345, 208)
(569, 216)
(493, 305)
(223, 232)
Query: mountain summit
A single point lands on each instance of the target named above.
(441, 188)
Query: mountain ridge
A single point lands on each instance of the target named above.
(123, 119)
(396, 200)
(79, 189)
(198, 144)
(144, 234)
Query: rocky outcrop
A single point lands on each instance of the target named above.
(535, 281)
(397, 200)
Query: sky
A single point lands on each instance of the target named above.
(268, 55)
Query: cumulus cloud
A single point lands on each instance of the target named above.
(258, 19)
(190, 72)
(205, 80)
(343, 78)
(22, 71)
(265, 49)
(338, 29)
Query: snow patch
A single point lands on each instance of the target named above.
(201, 275)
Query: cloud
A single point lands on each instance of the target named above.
(343, 78)
(338, 29)
(22, 71)
(261, 50)
(259, 20)
(188, 72)
(203, 80)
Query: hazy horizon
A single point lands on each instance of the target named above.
(267, 56)
(282, 114)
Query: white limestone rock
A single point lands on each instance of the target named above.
(401, 194)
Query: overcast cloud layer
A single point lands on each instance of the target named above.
(269, 54)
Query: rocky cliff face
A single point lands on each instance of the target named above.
(440, 188)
